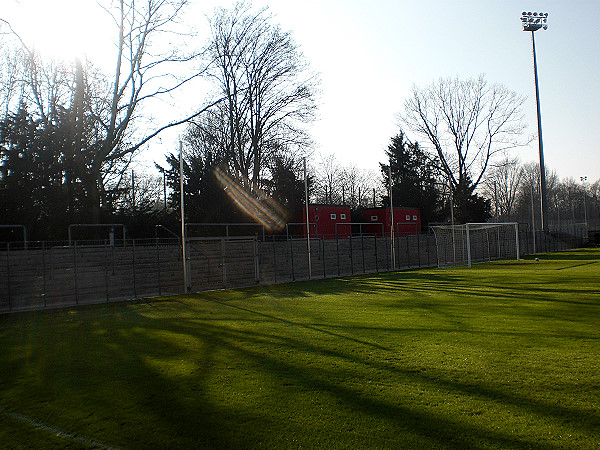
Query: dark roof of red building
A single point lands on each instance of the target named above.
(387, 208)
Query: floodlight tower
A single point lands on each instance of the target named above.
(533, 22)
(583, 180)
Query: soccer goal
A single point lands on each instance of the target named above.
(476, 242)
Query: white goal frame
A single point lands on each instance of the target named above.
(476, 242)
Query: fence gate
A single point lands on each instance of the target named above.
(219, 263)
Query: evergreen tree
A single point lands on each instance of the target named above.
(470, 207)
(414, 182)
(286, 187)
(206, 199)
(40, 176)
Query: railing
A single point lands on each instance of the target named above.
(55, 274)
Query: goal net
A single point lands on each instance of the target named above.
(476, 242)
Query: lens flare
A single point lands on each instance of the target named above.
(264, 209)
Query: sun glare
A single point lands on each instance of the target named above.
(63, 29)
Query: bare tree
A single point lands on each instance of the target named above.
(329, 180)
(466, 122)
(529, 190)
(144, 71)
(139, 191)
(111, 109)
(358, 186)
(352, 179)
(270, 92)
(13, 54)
(502, 185)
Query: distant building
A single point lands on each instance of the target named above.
(406, 221)
(328, 220)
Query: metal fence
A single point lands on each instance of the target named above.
(42, 275)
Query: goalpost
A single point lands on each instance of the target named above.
(476, 242)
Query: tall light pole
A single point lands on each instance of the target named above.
(533, 22)
(307, 221)
(183, 227)
(583, 180)
(392, 245)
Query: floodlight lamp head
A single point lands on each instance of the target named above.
(534, 21)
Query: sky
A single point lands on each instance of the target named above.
(370, 53)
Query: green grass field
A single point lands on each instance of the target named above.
(505, 355)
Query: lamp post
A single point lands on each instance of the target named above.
(392, 245)
(583, 180)
(533, 22)
(183, 226)
(307, 221)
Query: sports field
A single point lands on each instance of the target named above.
(504, 355)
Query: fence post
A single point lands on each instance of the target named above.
(113, 256)
(274, 260)
(75, 272)
(322, 242)
(419, 249)
(517, 240)
(292, 257)
(256, 262)
(106, 270)
(428, 250)
(223, 262)
(362, 245)
(309, 263)
(387, 253)
(44, 272)
(351, 258)
(158, 267)
(407, 251)
(321, 249)
(8, 275)
(133, 267)
(376, 255)
(337, 247)
(468, 245)
(396, 253)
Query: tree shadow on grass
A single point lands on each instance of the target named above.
(210, 422)
(105, 371)
(329, 381)
(188, 413)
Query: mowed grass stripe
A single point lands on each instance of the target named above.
(504, 355)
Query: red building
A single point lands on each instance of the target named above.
(406, 221)
(327, 220)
